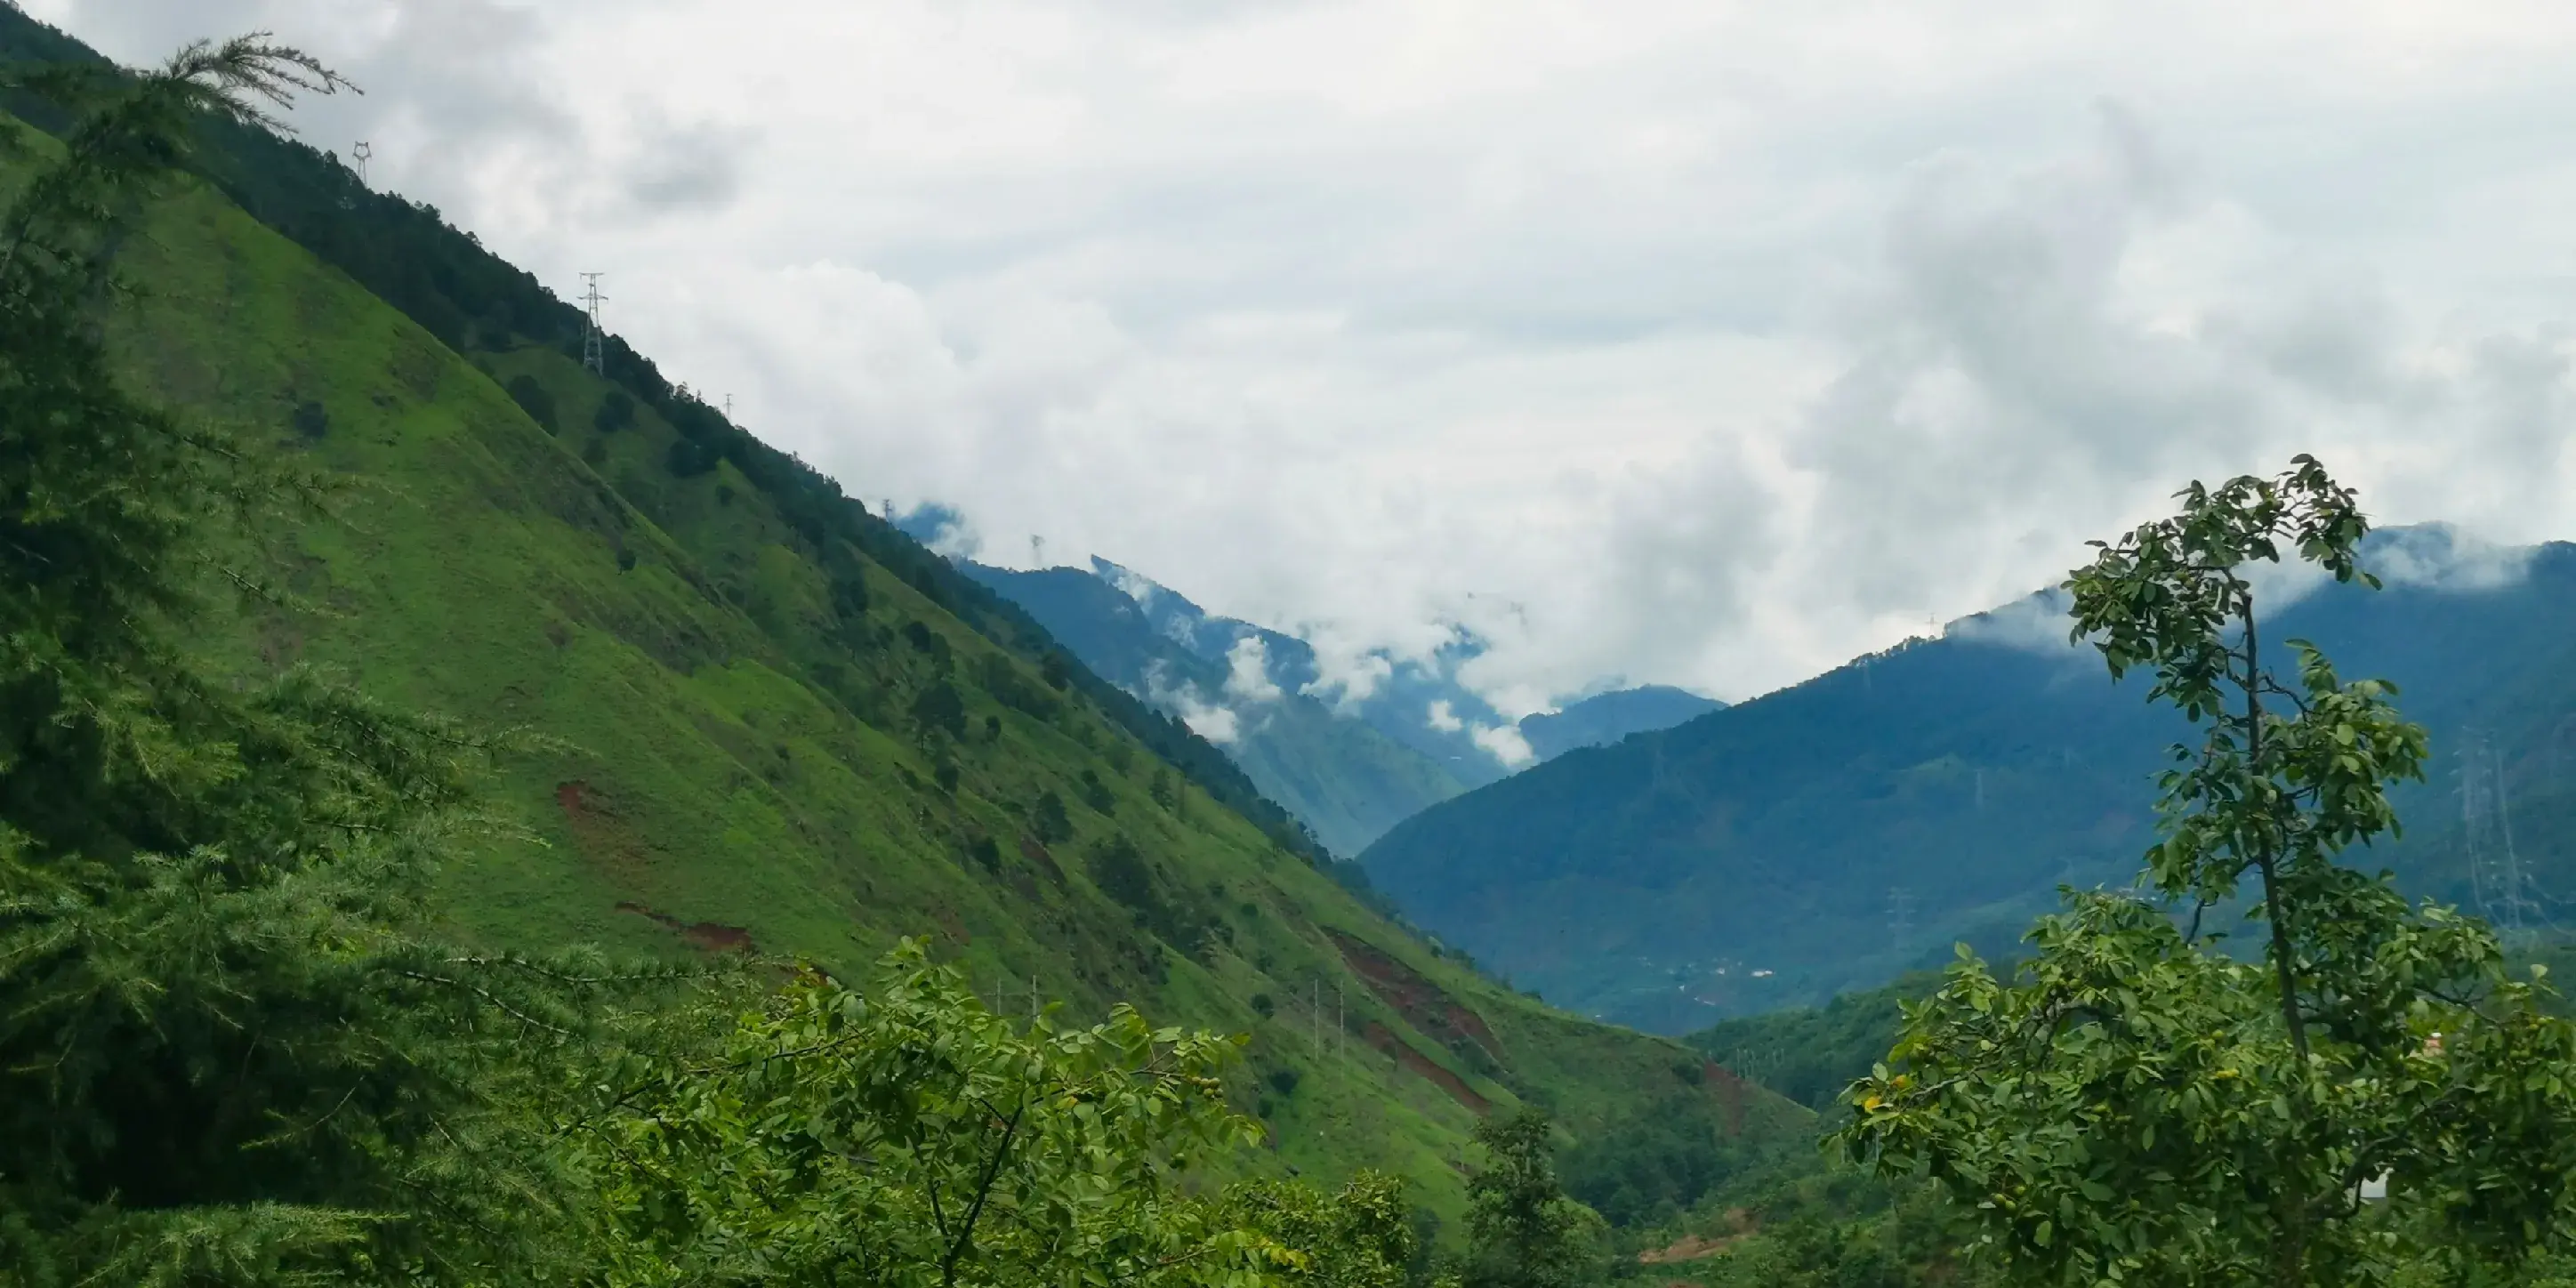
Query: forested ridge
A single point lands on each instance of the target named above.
(1851, 828)
(459, 824)
(291, 996)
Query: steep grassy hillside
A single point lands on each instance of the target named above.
(810, 744)
(1346, 781)
(1839, 833)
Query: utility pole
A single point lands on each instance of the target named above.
(594, 355)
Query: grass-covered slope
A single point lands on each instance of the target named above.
(1346, 781)
(808, 746)
(1839, 833)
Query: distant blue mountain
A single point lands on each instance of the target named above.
(1844, 831)
(1239, 687)
(1350, 755)
(1606, 718)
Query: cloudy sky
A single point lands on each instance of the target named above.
(1702, 343)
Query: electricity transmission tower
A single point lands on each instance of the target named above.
(360, 154)
(1900, 912)
(594, 356)
(2496, 876)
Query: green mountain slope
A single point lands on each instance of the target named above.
(1346, 781)
(1839, 833)
(776, 722)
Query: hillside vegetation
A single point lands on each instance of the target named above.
(762, 719)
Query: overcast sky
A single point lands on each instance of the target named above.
(1700, 343)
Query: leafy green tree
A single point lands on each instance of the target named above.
(1096, 793)
(536, 400)
(1360, 1236)
(2135, 1105)
(940, 708)
(616, 412)
(228, 1050)
(907, 1137)
(1050, 820)
(1523, 1230)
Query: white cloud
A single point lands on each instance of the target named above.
(1440, 717)
(1347, 671)
(2038, 623)
(1700, 344)
(2442, 557)
(1248, 672)
(1504, 743)
(1213, 721)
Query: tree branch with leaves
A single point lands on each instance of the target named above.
(2133, 1103)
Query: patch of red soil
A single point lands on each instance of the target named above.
(1421, 1002)
(1037, 854)
(1730, 1090)
(1692, 1247)
(1384, 1039)
(598, 834)
(711, 936)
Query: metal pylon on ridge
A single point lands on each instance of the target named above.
(594, 355)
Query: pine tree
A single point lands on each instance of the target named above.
(226, 1052)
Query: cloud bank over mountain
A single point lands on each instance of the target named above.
(1699, 344)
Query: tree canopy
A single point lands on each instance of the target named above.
(2135, 1103)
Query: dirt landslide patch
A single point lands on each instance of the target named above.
(1422, 1003)
(711, 936)
(1692, 1247)
(598, 834)
(1730, 1091)
(1037, 854)
(1384, 1039)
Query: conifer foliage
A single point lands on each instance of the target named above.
(226, 1053)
